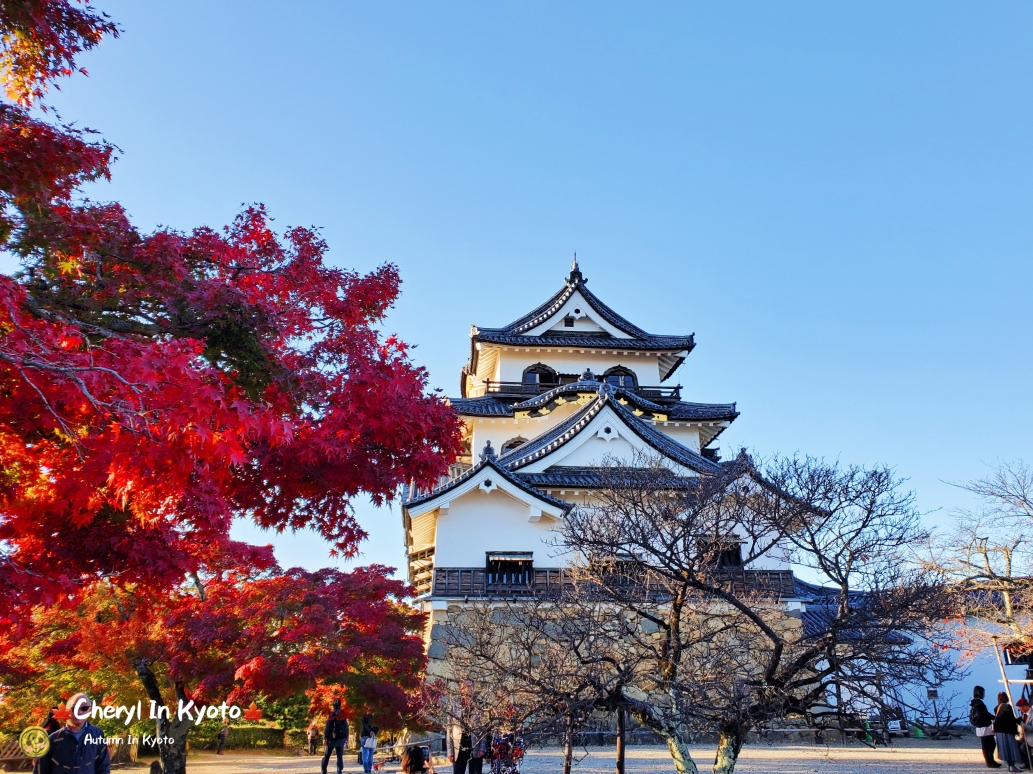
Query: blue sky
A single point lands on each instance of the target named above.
(836, 198)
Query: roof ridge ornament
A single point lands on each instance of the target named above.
(587, 376)
(488, 453)
(575, 277)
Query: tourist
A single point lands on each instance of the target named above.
(458, 745)
(224, 734)
(1025, 731)
(1006, 728)
(313, 738)
(78, 747)
(335, 734)
(983, 721)
(478, 752)
(51, 724)
(369, 749)
(414, 761)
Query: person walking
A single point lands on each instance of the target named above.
(335, 734)
(77, 747)
(224, 734)
(1006, 728)
(983, 721)
(313, 738)
(369, 749)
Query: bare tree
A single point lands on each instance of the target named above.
(727, 654)
(987, 555)
(555, 660)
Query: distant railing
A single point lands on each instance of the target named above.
(530, 389)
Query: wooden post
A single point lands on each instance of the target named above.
(568, 745)
(621, 723)
(1004, 675)
(839, 713)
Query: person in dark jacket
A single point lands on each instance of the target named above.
(981, 717)
(79, 747)
(479, 751)
(1006, 726)
(51, 724)
(335, 734)
(458, 745)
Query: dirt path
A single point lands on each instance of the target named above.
(906, 757)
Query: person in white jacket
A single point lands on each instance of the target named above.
(369, 749)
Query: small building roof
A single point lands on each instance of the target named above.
(517, 332)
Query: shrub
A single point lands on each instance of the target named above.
(242, 738)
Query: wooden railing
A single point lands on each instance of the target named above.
(528, 390)
(550, 583)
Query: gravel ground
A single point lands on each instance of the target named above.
(905, 757)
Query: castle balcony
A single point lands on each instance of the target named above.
(553, 583)
(530, 389)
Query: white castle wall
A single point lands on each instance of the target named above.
(513, 361)
(478, 522)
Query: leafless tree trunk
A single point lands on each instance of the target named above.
(621, 722)
(173, 756)
(568, 744)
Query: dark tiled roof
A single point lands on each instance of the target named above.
(822, 613)
(589, 478)
(819, 620)
(665, 444)
(648, 343)
(490, 406)
(411, 498)
(552, 439)
(575, 282)
(701, 411)
(482, 407)
(566, 430)
(564, 389)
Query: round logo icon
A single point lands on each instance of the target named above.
(34, 742)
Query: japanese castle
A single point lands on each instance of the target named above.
(546, 402)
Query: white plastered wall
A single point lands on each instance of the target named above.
(514, 360)
(478, 521)
(593, 446)
(686, 435)
(576, 307)
(501, 429)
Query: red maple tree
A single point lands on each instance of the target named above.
(155, 386)
(238, 633)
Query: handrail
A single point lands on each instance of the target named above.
(491, 387)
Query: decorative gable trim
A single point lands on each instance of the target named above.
(489, 477)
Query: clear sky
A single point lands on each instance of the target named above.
(837, 198)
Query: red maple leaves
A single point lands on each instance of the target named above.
(156, 386)
(253, 712)
(153, 387)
